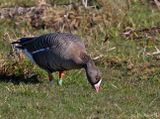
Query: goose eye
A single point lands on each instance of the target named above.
(98, 77)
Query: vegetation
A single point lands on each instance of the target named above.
(130, 70)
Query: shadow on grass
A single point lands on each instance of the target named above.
(17, 79)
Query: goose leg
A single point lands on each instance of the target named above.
(50, 77)
(61, 75)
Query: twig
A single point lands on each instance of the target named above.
(113, 48)
(130, 33)
(85, 2)
(154, 53)
(101, 55)
(98, 57)
(157, 3)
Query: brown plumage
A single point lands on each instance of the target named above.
(59, 52)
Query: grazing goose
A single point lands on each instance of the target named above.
(59, 52)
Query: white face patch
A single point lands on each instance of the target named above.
(99, 83)
(97, 86)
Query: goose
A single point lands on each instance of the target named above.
(59, 52)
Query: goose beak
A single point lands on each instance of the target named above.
(97, 86)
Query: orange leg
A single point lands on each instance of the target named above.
(61, 75)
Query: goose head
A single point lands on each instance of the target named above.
(93, 75)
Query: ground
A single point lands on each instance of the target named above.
(131, 80)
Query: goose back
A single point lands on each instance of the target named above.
(55, 51)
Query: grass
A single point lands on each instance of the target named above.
(130, 87)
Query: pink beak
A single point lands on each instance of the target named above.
(97, 86)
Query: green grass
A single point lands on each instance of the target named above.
(131, 81)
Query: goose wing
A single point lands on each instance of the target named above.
(55, 51)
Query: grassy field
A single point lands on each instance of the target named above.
(131, 80)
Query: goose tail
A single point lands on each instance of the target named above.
(15, 42)
(17, 45)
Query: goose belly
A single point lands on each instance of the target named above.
(61, 65)
(69, 64)
(51, 62)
